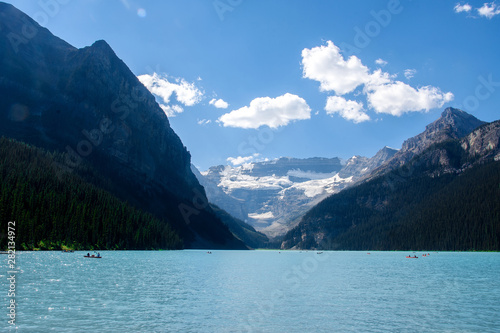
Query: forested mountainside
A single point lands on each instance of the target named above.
(243, 231)
(445, 198)
(53, 210)
(87, 103)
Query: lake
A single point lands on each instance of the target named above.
(254, 291)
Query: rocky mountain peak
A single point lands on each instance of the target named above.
(450, 113)
(381, 156)
(453, 124)
(386, 151)
(102, 48)
(25, 36)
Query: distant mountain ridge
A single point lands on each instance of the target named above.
(87, 103)
(272, 195)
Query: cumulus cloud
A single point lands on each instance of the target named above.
(489, 10)
(381, 62)
(219, 103)
(462, 8)
(267, 111)
(242, 160)
(186, 93)
(396, 98)
(384, 94)
(347, 109)
(409, 73)
(327, 65)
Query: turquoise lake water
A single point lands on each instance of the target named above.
(254, 291)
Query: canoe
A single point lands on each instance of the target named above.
(92, 256)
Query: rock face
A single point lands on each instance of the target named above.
(453, 124)
(483, 142)
(359, 166)
(272, 196)
(87, 103)
(216, 195)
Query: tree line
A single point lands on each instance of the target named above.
(455, 212)
(55, 209)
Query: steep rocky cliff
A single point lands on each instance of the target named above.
(87, 103)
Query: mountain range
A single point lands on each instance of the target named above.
(281, 196)
(439, 192)
(272, 195)
(87, 104)
(90, 159)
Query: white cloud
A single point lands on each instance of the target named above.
(383, 93)
(241, 160)
(219, 103)
(186, 93)
(462, 8)
(326, 65)
(347, 109)
(272, 112)
(381, 62)
(378, 78)
(409, 73)
(396, 98)
(171, 110)
(489, 10)
(204, 121)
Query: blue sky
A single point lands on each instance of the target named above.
(245, 80)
